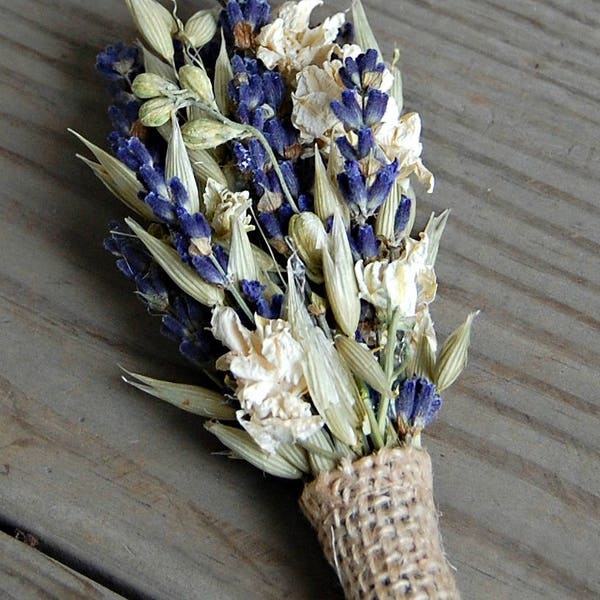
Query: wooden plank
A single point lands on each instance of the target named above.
(26, 573)
(106, 512)
(508, 92)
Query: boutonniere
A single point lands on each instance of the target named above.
(270, 171)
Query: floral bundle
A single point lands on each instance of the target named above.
(271, 172)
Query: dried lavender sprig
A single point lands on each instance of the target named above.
(181, 316)
(362, 106)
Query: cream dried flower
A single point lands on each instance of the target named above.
(267, 364)
(406, 284)
(289, 44)
(221, 205)
(400, 139)
(316, 87)
(319, 85)
(423, 328)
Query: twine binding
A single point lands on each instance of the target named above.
(378, 526)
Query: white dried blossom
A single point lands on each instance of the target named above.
(405, 284)
(316, 87)
(221, 205)
(424, 328)
(319, 85)
(400, 139)
(267, 364)
(289, 44)
(422, 344)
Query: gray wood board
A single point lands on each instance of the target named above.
(26, 573)
(508, 93)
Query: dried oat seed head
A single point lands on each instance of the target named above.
(363, 364)
(206, 133)
(191, 398)
(242, 445)
(340, 280)
(181, 275)
(178, 164)
(156, 24)
(453, 355)
(309, 238)
(200, 28)
(150, 85)
(156, 111)
(223, 75)
(117, 177)
(195, 79)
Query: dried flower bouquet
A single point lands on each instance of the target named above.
(271, 171)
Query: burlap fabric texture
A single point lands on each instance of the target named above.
(377, 523)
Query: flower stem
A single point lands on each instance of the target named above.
(375, 431)
(263, 140)
(389, 355)
(232, 289)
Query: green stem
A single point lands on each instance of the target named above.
(416, 439)
(263, 140)
(389, 355)
(391, 438)
(315, 450)
(232, 289)
(268, 247)
(375, 431)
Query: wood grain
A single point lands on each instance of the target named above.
(106, 514)
(128, 490)
(27, 573)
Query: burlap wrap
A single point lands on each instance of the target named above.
(378, 526)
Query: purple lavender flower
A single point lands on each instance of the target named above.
(271, 225)
(119, 62)
(135, 263)
(165, 198)
(182, 317)
(132, 258)
(365, 199)
(350, 113)
(362, 72)
(242, 19)
(246, 88)
(251, 157)
(375, 107)
(364, 243)
(254, 294)
(417, 402)
(282, 138)
(362, 107)
(257, 94)
(348, 110)
(381, 187)
(208, 270)
(152, 289)
(184, 325)
(366, 143)
(402, 215)
(193, 226)
(123, 116)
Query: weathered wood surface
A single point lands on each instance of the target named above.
(27, 573)
(127, 491)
